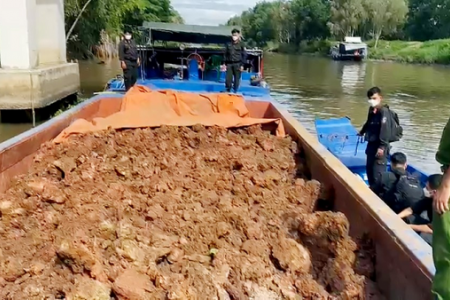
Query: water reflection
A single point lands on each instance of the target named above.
(352, 75)
(8, 131)
(94, 76)
(313, 87)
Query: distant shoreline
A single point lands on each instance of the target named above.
(426, 53)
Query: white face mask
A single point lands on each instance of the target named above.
(128, 36)
(373, 103)
(426, 193)
(235, 37)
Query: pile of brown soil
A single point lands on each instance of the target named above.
(172, 213)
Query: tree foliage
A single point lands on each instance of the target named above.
(296, 21)
(284, 21)
(347, 16)
(385, 16)
(111, 17)
(428, 19)
(310, 18)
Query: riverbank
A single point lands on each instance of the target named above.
(429, 52)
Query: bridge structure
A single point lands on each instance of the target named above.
(34, 71)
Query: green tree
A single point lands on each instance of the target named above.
(346, 17)
(310, 19)
(428, 19)
(266, 21)
(258, 23)
(88, 19)
(295, 22)
(176, 17)
(282, 21)
(385, 16)
(234, 21)
(151, 10)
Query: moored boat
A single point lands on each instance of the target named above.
(193, 61)
(352, 48)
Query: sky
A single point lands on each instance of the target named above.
(210, 12)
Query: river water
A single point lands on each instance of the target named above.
(316, 87)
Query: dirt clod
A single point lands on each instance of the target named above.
(172, 213)
(88, 289)
(133, 285)
(292, 256)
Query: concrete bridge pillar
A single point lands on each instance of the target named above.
(33, 67)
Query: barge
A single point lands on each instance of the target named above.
(403, 261)
(340, 169)
(404, 267)
(170, 60)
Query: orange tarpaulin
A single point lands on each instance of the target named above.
(142, 107)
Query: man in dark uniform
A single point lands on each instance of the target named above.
(235, 57)
(414, 215)
(377, 134)
(129, 60)
(398, 189)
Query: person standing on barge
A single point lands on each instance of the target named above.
(441, 222)
(235, 57)
(129, 60)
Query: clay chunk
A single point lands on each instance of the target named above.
(90, 289)
(133, 285)
(292, 256)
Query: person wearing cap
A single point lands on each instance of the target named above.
(235, 57)
(129, 60)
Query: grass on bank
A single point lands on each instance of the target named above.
(429, 52)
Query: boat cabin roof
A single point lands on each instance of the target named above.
(353, 39)
(200, 49)
(193, 34)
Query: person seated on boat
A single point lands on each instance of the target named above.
(398, 189)
(413, 215)
(235, 57)
(377, 135)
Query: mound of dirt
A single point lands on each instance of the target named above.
(172, 213)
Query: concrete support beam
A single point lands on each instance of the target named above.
(51, 31)
(40, 87)
(33, 67)
(18, 39)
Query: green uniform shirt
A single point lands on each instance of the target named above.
(441, 230)
(443, 154)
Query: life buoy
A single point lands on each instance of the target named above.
(199, 59)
